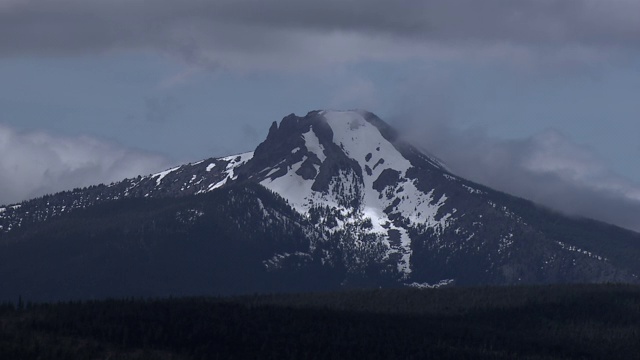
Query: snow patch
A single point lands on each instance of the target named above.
(313, 144)
(472, 190)
(236, 161)
(441, 283)
(581, 251)
(163, 174)
(296, 190)
(218, 184)
(233, 162)
(357, 137)
(272, 171)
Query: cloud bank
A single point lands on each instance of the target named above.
(36, 163)
(249, 34)
(547, 168)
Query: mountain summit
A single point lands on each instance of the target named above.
(348, 167)
(334, 197)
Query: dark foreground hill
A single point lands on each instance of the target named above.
(244, 239)
(543, 322)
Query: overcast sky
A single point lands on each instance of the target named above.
(535, 97)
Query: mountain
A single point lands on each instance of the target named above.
(332, 199)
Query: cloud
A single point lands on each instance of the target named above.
(37, 163)
(547, 168)
(283, 34)
(359, 92)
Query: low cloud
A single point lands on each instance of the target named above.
(547, 168)
(284, 34)
(359, 92)
(36, 163)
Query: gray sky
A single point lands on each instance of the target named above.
(523, 90)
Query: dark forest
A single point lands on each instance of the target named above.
(528, 322)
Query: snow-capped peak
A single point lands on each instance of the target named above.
(362, 141)
(341, 160)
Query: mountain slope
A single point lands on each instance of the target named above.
(208, 244)
(371, 210)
